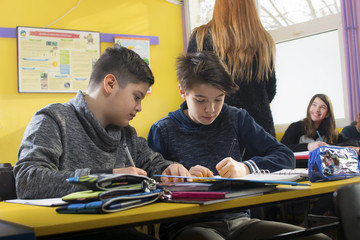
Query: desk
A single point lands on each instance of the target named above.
(46, 221)
(302, 159)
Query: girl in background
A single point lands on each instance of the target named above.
(304, 135)
(317, 129)
(237, 36)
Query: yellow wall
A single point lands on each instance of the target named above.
(138, 17)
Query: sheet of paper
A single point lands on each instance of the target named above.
(48, 202)
(304, 153)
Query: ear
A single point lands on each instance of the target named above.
(109, 83)
(182, 92)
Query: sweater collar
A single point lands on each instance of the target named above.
(106, 138)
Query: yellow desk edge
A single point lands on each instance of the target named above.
(46, 221)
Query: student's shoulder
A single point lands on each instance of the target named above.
(298, 124)
(55, 110)
(231, 111)
(163, 122)
(348, 128)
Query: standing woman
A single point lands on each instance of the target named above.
(305, 135)
(236, 34)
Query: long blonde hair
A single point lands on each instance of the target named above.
(240, 39)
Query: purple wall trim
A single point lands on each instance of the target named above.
(104, 37)
(109, 37)
(184, 27)
(351, 22)
(8, 32)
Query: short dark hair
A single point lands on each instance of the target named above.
(125, 64)
(204, 67)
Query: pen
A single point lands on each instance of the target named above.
(232, 147)
(128, 155)
(319, 136)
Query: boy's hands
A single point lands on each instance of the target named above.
(130, 170)
(200, 171)
(230, 168)
(176, 170)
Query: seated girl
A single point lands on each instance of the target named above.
(317, 129)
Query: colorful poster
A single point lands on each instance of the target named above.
(139, 45)
(55, 60)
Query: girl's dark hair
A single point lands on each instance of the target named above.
(204, 67)
(125, 64)
(327, 126)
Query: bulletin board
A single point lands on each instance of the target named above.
(55, 60)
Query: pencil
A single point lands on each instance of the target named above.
(232, 147)
(129, 155)
(319, 136)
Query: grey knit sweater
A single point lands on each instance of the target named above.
(66, 140)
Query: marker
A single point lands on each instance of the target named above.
(128, 155)
(232, 147)
(319, 136)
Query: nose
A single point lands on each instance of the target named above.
(210, 108)
(138, 107)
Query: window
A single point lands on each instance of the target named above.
(310, 53)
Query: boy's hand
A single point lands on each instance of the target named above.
(176, 170)
(314, 145)
(130, 170)
(200, 171)
(230, 168)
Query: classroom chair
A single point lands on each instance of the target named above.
(347, 205)
(347, 220)
(7, 182)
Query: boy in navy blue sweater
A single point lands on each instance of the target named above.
(200, 134)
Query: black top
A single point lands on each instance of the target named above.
(294, 138)
(255, 97)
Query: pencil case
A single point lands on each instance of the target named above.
(333, 163)
(114, 204)
(103, 182)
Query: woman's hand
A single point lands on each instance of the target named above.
(314, 145)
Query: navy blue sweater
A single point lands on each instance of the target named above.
(179, 139)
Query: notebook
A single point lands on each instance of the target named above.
(224, 193)
(261, 177)
(282, 175)
(206, 198)
(194, 186)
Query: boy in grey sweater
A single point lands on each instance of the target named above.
(91, 133)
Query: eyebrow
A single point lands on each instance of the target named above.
(140, 92)
(199, 95)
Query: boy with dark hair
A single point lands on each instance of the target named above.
(90, 133)
(352, 131)
(199, 136)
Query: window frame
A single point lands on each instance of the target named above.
(296, 31)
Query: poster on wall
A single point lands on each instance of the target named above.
(55, 60)
(139, 45)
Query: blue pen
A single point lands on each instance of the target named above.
(319, 136)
